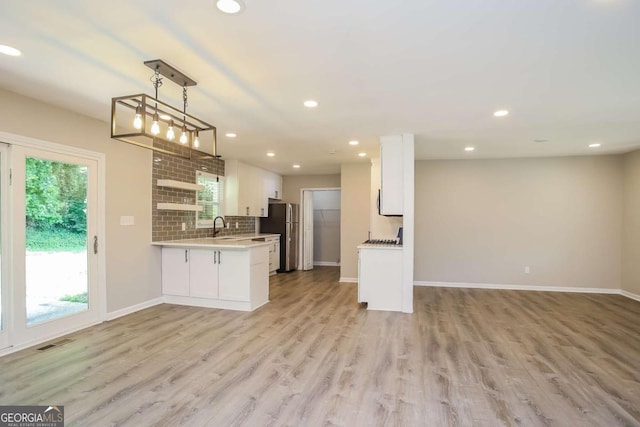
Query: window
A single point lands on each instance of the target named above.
(210, 199)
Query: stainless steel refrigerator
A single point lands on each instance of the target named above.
(283, 220)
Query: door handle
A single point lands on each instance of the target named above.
(214, 257)
(219, 258)
(186, 257)
(95, 244)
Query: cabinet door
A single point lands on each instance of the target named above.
(391, 173)
(272, 185)
(203, 273)
(233, 275)
(175, 271)
(276, 255)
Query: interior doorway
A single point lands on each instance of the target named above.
(320, 245)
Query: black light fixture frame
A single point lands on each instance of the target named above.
(124, 108)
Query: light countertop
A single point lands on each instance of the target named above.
(243, 241)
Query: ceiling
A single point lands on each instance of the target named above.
(566, 70)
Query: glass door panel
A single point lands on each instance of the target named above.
(4, 192)
(56, 239)
(54, 262)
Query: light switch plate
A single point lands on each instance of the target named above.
(126, 220)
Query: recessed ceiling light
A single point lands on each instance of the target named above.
(501, 113)
(231, 7)
(165, 117)
(354, 142)
(230, 135)
(296, 166)
(595, 145)
(469, 148)
(8, 50)
(271, 154)
(310, 103)
(362, 154)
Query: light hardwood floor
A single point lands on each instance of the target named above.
(313, 357)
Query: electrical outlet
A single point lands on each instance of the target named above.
(527, 269)
(184, 226)
(237, 224)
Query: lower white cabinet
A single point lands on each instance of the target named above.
(218, 278)
(274, 254)
(380, 278)
(204, 273)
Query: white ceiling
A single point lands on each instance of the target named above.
(568, 70)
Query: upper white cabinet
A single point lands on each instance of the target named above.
(272, 185)
(248, 189)
(391, 175)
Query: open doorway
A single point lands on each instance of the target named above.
(320, 235)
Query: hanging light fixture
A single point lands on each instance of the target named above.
(130, 114)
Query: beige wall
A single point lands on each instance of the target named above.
(354, 215)
(132, 265)
(631, 224)
(483, 221)
(292, 184)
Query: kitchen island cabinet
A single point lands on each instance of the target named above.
(229, 275)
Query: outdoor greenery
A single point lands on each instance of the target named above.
(55, 205)
(55, 240)
(83, 297)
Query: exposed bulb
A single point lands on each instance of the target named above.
(170, 132)
(155, 127)
(196, 140)
(137, 120)
(183, 136)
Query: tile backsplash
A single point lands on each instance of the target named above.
(167, 224)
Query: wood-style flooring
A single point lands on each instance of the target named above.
(314, 357)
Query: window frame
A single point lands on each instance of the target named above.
(208, 223)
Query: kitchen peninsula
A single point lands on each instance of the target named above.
(229, 272)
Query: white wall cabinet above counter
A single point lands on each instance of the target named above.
(248, 189)
(391, 198)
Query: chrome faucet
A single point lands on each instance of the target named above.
(224, 224)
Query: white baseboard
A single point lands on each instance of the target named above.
(326, 264)
(630, 295)
(34, 343)
(348, 280)
(518, 287)
(133, 308)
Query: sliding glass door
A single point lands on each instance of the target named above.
(4, 253)
(54, 212)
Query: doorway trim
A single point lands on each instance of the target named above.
(100, 158)
(302, 220)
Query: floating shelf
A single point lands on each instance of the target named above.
(179, 207)
(179, 184)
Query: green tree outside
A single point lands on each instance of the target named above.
(56, 205)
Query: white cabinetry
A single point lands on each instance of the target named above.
(203, 273)
(232, 279)
(274, 253)
(175, 271)
(380, 278)
(242, 189)
(272, 183)
(248, 189)
(391, 176)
